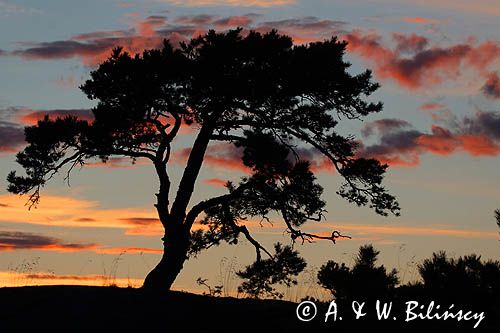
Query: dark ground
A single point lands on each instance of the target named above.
(106, 309)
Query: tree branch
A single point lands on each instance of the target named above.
(255, 243)
(307, 237)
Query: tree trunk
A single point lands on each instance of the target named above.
(175, 248)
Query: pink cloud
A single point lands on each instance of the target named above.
(414, 64)
(402, 145)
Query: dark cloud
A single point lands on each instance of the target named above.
(64, 49)
(305, 29)
(308, 23)
(236, 21)
(383, 125)
(409, 43)
(140, 221)
(484, 123)
(11, 136)
(13, 240)
(201, 19)
(491, 88)
(85, 219)
(477, 135)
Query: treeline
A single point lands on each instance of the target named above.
(465, 278)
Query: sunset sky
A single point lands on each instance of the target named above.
(439, 66)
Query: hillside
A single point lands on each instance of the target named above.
(105, 309)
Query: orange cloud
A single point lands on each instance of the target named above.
(421, 20)
(68, 212)
(371, 232)
(78, 213)
(216, 182)
(14, 279)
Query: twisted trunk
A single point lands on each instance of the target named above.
(176, 241)
(175, 248)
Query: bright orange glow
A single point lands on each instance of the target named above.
(17, 279)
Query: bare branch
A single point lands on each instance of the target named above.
(307, 237)
(255, 243)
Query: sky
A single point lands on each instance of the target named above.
(438, 63)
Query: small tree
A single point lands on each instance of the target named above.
(363, 281)
(467, 276)
(281, 269)
(259, 92)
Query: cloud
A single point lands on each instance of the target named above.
(409, 43)
(13, 279)
(31, 117)
(128, 250)
(420, 20)
(144, 226)
(228, 156)
(431, 106)
(305, 29)
(232, 3)
(94, 47)
(12, 132)
(415, 65)
(15, 240)
(11, 137)
(216, 182)
(491, 88)
(68, 212)
(478, 135)
(383, 126)
(12, 240)
(373, 230)
(235, 21)
(201, 19)
(218, 155)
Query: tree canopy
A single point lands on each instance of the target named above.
(257, 91)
